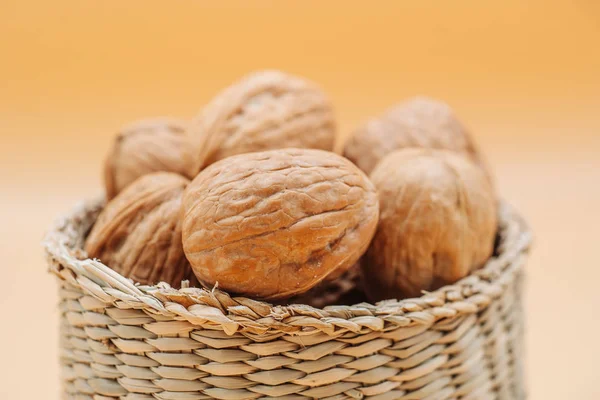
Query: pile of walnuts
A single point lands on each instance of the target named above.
(250, 196)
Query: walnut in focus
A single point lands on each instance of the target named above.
(438, 220)
(147, 146)
(420, 122)
(265, 110)
(138, 233)
(274, 224)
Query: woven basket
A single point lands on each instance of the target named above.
(119, 340)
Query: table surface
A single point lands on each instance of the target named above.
(528, 90)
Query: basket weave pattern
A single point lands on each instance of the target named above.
(119, 340)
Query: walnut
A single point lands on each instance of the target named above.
(419, 122)
(438, 222)
(274, 224)
(147, 146)
(265, 110)
(138, 233)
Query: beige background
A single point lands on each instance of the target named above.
(525, 76)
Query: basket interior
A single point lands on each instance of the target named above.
(69, 262)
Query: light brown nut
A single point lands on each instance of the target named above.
(265, 110)
(419, 122)
(274, 224)
(437, 223)
(138, 233)
(152, 145)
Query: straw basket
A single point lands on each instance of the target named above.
(122, 341)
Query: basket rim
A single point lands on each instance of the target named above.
(216, 309)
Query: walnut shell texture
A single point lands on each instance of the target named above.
(274, 224)
(438, 219)
(419, 122)
(332, 290)
(138, 233)
(265, 110)
(146, 146)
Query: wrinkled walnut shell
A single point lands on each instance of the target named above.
(265, 110)
(138, 234)
(276, 223)
(334, 289)
(420, 122)
(152, 145)
(438, 220)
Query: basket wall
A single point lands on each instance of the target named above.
(119, 340)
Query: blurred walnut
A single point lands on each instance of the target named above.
(274, 224)
(437, 222)
(419, 122)
(144, 147)
(138, 233)
(265, 110)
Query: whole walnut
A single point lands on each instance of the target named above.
(419, 122)
(438, 220)
(138, 234)
(265, 110)
(152, 145)
(274, 224)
